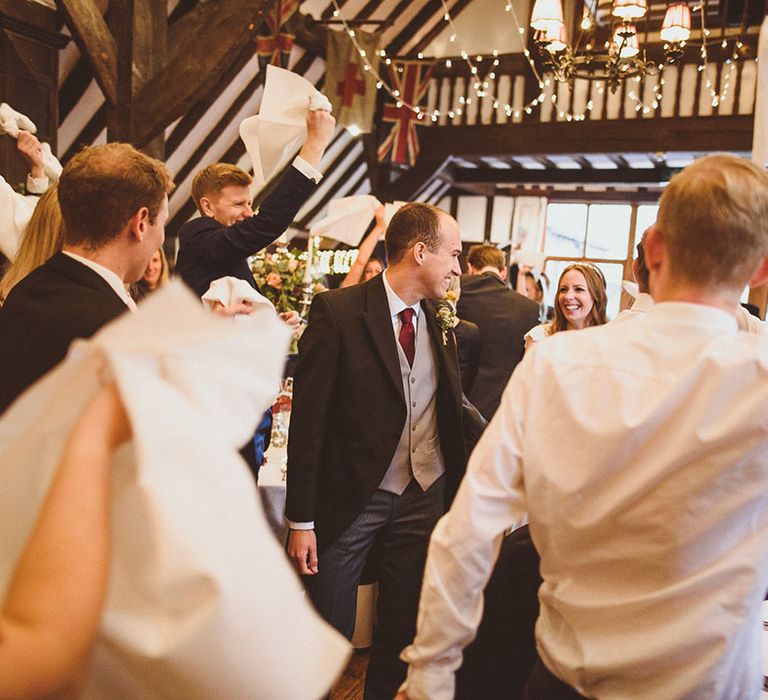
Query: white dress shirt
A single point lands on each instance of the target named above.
(307, 170)
(640, 453)
(111, 278)
(396, 305)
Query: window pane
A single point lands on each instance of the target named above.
(613, 275)
(608, 230)
(646, 216)
(566, 228)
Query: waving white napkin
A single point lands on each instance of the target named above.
(11, 122)
(347, 219)
(231, 290)
(530, 258)
(202, 602)
(390, 209)
(274, 135)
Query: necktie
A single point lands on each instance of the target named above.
(408, 335)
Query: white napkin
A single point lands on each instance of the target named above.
(202, 602)
(276, 132)
(231, 290)
(390, 208)
(347, 219)
(530, 258)
(11, 122)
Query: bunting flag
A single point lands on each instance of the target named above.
(350, 87)
(411, 79)
(274, 47)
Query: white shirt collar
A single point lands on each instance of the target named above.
(695, 314)
(108, 276)
(396, 304)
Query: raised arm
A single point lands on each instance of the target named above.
(367, 247)
(52, 609)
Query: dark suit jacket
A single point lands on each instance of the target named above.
(54, 304)
(503, 317)
(349, 410)
(208, 250)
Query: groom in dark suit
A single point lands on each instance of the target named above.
(114, 204)
(375, 450)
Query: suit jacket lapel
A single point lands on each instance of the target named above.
(379, 322)
(446, 352)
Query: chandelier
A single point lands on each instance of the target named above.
(620, 57)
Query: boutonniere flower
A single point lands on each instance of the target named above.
(446, 315)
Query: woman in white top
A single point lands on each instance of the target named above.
(580, 303)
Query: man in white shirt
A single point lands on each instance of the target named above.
(114, 203)
(639, 453)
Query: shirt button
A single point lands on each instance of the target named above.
(413, 427)
(413, 449)
(414, 404)
(413, 380)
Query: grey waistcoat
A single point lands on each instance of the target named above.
(418, 454)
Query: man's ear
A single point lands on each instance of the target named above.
(654, 247)
(471, 269)
(761, 276)
(503, 273)
(206, 206)
(138, 223)
(418, 252)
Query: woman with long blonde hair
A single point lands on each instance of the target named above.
(43, 237)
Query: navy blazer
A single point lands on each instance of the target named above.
(208, 250)
(54, 304)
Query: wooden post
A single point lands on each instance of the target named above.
(759, 297)
(140, 31)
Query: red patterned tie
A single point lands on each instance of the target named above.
(408, 335)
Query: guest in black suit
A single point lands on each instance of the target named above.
(219, 242)
(503, 317)
(114, 204)
(375, 450)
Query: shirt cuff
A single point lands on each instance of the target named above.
(37, 185)
(429, 683)
(300, 526)
(307, 170)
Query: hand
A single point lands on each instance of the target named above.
(320, 128)
(235, 308)
(302, 551)
(29, 146)
(293, 319)
(401, 696)
(105, 416)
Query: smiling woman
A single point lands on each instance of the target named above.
(580, 302)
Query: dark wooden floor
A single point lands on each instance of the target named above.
(350, 685)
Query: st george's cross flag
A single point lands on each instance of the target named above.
(350, 87)
(410, 79)
(273, 44)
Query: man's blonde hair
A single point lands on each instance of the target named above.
(213, 178)
(714, 219)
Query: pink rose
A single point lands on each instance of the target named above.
(273, 280)
(292, 265)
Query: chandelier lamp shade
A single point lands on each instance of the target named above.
(618, 58)
(676, 27)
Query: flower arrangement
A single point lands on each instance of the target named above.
(280, 276)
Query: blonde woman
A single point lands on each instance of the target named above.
(43, 236)
(580, 303)
(155, 276)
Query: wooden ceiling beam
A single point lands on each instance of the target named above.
(627, 176)
(203, 43)
(688, 134)
(92, 36)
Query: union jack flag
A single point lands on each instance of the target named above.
(411, 80)
(274, 47)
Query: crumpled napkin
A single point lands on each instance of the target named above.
(348, 219)
(231, 290)
(11, 122)
(277, 131)
(202, 602)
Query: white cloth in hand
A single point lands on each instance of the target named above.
(202, 602)
(11, 122)
(232, 290)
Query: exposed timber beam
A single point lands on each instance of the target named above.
(93, 38)
(623, 176)
(204, 42)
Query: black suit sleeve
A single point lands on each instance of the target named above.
(314, 390)
(221, 245)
